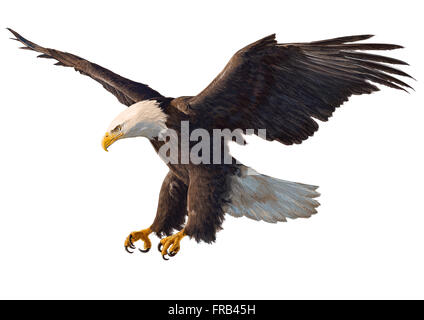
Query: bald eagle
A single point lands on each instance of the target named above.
(281, 88)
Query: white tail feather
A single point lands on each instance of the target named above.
(261, 197)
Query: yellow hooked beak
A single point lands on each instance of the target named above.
(110, 138)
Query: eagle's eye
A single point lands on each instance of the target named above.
(117, 129)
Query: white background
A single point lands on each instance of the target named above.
(66, 206)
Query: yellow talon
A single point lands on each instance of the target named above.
(139, 235)
(171, 245)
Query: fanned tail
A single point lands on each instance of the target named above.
(261, 197)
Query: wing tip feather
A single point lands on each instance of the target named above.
(24, 41)
(343, 40)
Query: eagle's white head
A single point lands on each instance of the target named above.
(142, 119)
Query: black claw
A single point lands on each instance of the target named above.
(164, 257)
(144, 251)
(160, 247)
(172, 254)
(127, 250)
(132, 246)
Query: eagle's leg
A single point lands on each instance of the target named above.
(172, 206)
(170, 215)
(171, 245)
(138, 235)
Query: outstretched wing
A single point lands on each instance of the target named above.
(283, 87)
(126, 91)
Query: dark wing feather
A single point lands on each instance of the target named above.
(126, 91)
(283, 87)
